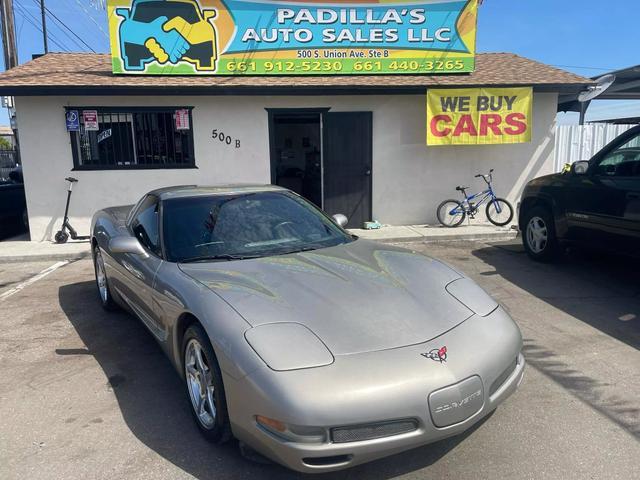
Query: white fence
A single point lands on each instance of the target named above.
(581, 142)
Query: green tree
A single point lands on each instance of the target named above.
(5, 144)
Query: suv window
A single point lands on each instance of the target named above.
(623, 161)
(146, 223)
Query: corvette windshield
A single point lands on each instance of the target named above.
(247, 225)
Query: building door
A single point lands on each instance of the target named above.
(347, 158)
(296, 156)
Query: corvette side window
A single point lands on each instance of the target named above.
(146, 225)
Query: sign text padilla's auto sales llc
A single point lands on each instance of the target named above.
(479, 116)
(294, 37)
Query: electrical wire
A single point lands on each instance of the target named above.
(88, 14)
(55, 17)
(585, 68)
(35, 23)
(26, 15)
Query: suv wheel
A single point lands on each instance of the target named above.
(539, 235)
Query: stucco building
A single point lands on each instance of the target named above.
(352, 144)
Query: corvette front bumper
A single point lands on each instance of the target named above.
(482, 368)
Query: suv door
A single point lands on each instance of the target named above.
(139, 277)
(603, 206)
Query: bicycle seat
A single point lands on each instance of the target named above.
(71, 179)
(461, 189)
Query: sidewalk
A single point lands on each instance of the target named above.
(432, 234)
(16, 250)
(26, 251)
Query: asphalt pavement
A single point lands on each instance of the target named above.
(86, 394)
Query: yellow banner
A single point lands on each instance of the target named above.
(479, 116)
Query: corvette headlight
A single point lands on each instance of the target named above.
(288, 346)
(473, 297)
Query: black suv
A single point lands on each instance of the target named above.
(596, 203)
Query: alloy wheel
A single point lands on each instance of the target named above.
(537, 235)
(200, 384)
(101, 278)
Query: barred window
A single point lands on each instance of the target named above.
(133, 138)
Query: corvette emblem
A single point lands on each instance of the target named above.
(437, 354)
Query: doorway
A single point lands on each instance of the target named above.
(326, 157)
(296, 153)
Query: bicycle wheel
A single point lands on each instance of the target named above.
(451, 213)
(499, 212)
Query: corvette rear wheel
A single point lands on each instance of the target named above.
(205, 389)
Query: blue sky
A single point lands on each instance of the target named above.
(588, 37)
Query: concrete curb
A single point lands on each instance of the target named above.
(479, 237)
(46, 257)
(418, 238)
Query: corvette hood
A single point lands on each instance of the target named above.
(356, 298)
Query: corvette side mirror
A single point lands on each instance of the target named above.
(580, 167)
(125, 244)
(340, 220)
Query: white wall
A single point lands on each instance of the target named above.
(409, 178)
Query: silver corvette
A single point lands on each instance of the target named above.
(315, 348)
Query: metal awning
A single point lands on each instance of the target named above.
(626, 87)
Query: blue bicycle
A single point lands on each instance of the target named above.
(451, 213)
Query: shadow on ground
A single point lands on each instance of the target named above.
(150, 396)
(602, 291)
(12, 228)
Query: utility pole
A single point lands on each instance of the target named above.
(8, 34)
(44, 27)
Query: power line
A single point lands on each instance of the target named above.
(585, 68)
(35, 24)
(55, 17)
(86, 12)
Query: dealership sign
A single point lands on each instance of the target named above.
(479, 116)
(294, 37)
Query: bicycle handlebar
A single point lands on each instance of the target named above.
(489, 176)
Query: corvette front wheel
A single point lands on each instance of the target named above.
(205, 389)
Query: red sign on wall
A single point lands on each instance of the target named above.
(90, 120)
(182, 119)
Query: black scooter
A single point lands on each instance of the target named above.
(62, 236)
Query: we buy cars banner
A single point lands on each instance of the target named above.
(292, 37)
(479, 116)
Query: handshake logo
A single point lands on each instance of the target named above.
(167, 32)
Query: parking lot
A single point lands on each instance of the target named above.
(86, 394)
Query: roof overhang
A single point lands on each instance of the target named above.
(625, 87)
(86, 90)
